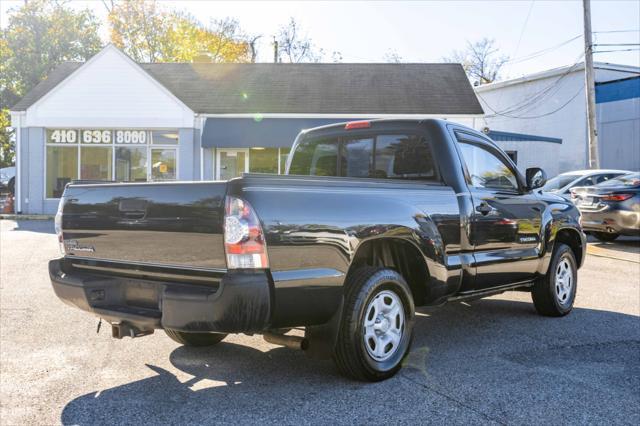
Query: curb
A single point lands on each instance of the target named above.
(625, 256)
(26, 217)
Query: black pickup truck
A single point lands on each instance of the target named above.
(373, 219)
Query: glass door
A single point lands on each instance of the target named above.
(231, 163)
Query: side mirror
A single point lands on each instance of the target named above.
(536, 177)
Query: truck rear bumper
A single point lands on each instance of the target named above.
(239, 303)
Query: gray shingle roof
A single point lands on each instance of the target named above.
(55, 77)
(305, 88)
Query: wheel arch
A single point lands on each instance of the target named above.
(398, 254)
(376, 252)
(571, 237)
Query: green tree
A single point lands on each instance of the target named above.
(148, 32)
(39, 36)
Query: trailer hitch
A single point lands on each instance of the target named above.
(124, 329)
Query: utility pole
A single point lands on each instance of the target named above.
(594, 160)
(275, 50)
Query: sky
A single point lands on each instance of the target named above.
(426, 31)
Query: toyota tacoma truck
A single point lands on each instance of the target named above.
(371, 220)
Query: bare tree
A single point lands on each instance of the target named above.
(336, 56)
(253, 48)
(481, 61)
(295, 47)
(392, 56)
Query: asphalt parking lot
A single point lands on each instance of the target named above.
(490, 361)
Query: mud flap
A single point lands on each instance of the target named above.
(322, 338)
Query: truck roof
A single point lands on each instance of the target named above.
(372, 124)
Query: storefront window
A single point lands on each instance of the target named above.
(96, 163)
(164, 137)
(89, 154)
(263, 160)
(131, 164)
(62, 168)
(163, 164)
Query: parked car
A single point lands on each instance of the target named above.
(562, 184)
(612, 208)
(373, 219)
(6, 173)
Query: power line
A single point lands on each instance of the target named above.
(617, 44)
(529, 102)
(524, 26)
(530, 117)
(515, 52)
(543, 51)
(616, 31)
(617, 50)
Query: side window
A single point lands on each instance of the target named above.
(588, 181)
(315, 158)
(486, 170)
(604, 178)
(403, 157)
(357, 158)
(382, 157)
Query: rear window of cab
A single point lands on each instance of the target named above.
(383, 156)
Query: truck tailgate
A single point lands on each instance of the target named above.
(175, 224)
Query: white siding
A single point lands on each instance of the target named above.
(568, 124)
(110, 90)
(619, 134)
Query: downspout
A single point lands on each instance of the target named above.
(18, 157)
(201, 123)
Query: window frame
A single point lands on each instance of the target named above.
(113, 145)
(342, 139)
(482, 143)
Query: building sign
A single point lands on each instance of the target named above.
(101, 136)
(124, 155)
(63, 136)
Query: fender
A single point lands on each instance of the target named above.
(561, 220)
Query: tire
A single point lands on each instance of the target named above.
(195, 339)
(382, 299)
(554, 294)
(606, 237)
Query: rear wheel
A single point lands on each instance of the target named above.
(195, 339)
(377, 325)
(554, 294)
(606, 237)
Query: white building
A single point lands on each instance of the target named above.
(111, 118)
(552, 104)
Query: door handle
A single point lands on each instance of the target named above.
(484, 208)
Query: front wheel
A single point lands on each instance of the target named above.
(377, 325)
(606, 237)
(195, 339)
(554, 294)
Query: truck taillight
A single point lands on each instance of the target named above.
(58, 226)
(244, 240)
(357, 125)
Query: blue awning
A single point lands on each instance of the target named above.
(499, 136)
(618, 90)
(258, 132)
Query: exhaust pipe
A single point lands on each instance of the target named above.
(292, 342)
